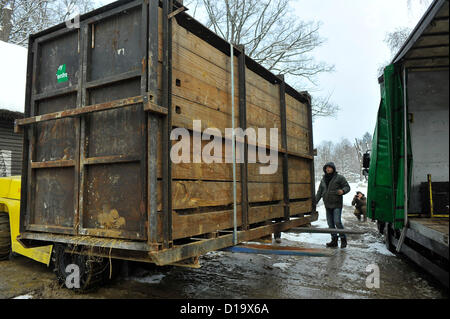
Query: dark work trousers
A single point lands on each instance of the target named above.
(334, 220)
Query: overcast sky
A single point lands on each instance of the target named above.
(354, 30)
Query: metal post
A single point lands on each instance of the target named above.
(282, 90)
(153, 123)
(233, 145)
(405, 159)
(167, 122)
(430, 189)
(243, 125)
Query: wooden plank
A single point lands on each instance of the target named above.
(195, 194)
(186, 111)
(188, 225)
(223, 172)
(299, 169)
(300, 207)
(203, 223)
(187, 40)
(195, 56)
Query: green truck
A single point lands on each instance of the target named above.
(408, 192)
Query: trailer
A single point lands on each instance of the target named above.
(408, 190)
(104, 93)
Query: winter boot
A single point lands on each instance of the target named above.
(343, 242)
(333, 243)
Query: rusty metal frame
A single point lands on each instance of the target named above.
(139, 251)
(153, 125)
(158, 119)
(143, 119)
(311, 143)
(167, 123)
(31, 137)
(83, 125)
(140, 99)
(243, 125)
(25, 149)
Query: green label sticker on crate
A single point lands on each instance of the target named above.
(61, 74)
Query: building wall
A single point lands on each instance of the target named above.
(10, 149)
(428, 101)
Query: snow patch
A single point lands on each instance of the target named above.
(154, 279)
(28, 296)
(380, 249)
(316, 239)
(282, 266)
(13, 68)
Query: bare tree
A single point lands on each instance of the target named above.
(347, 156)
(273, 37)
(324, 107)
(324, 155)
(395, 39)
(20, 18)
(423, 3)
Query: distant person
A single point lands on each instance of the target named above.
(332, 188)
(360, 203)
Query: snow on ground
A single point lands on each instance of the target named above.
(24, 297)
(320, 239)
(153, 279)
(380, 248)
(13, 67)
(282, 266)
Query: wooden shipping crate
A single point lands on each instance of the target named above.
(101, 102)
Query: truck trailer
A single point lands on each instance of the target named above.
(408, 191)
(104, 93)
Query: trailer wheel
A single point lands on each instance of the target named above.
(388, 232)
(5, 236)
(92, 270)
(381, 225)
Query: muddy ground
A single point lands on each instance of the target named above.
(228, 275)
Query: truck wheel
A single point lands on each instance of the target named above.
(388, 232)
(381, 225)
(92, 270)
(5, 237)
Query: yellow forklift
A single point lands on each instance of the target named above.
(9, 224)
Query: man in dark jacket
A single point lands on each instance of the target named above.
(360, 203)
(332, 188)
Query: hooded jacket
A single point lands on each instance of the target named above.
(329, 193)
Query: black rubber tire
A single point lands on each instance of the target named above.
(93, 270)
(388, 232)
(381, 226)
(5, 236)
